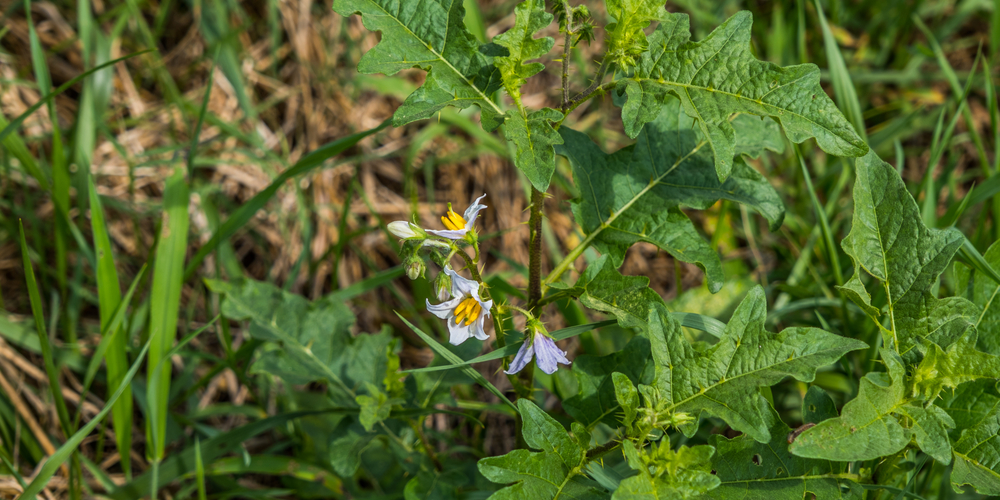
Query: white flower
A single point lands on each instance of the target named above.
(458, 226)
(544, 349)
(405, 230)
(465, 312)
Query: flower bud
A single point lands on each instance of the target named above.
(406, 230)
(442, 287)
(415, 267)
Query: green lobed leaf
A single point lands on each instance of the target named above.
(930, 429)
(719, 76)
(430, 35)
(723, 379)
(756, 134)
(977, 456)
(627, 298)
(889, 241)
(986, 295)
(635, 193)
(751, 470)
(866, 428)
(531, 133)
(817, 406)
(534, 142)
(549, 473)
(597, 400)
(529, 17)
(971, 403)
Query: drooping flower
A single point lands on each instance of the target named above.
(540, 346)
(459, 225)
(466, 312)
(406, 230)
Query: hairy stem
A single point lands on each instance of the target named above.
(535, 251)
(567, 45)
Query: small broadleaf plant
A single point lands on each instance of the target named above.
(684, 409)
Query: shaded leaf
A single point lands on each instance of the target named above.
(719, 76)
(723, 379)
(817, 406)
(751, 470)
(534, 142)
(430, 35)
(597, 400)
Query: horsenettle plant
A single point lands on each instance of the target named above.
(637, 423)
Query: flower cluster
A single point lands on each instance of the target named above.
(463, 305)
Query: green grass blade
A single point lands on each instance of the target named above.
(181, 463)
(193, 149)
(453, 359)
(165, 304)
(14, 145)
(117, 319)
(109, 296)
(66, 450)
(248, 209)
(824, 224)
(199, 468)
(975, 260)
(843, 87)
(43, 337)
(956, 88)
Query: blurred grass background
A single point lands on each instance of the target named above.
(166, 167)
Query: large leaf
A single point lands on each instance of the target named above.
(549, 473)
(767, 471)
(431, 35)
(977, 456)
(723, 380)
(975, 407)
(889, 240)
(596, 400)
(986, 295)
(867, 428)
(719, 76)
(306, 341)
(531, 133)
(635, 193)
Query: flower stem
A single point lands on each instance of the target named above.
(535, 251)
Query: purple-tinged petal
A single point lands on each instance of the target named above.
(458, 234)
(548, 354)
(524, 355)
(472, 212)
(444, 310)
(461, 286)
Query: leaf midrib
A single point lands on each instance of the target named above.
(440, 57)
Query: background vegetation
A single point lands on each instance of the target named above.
(220, 146)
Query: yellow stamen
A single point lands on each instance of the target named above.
(453, 221)
(465, 307)
(476, 309)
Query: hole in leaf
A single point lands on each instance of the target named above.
(713, 472)
(756, 459)
(812, 408)
(779, 472)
